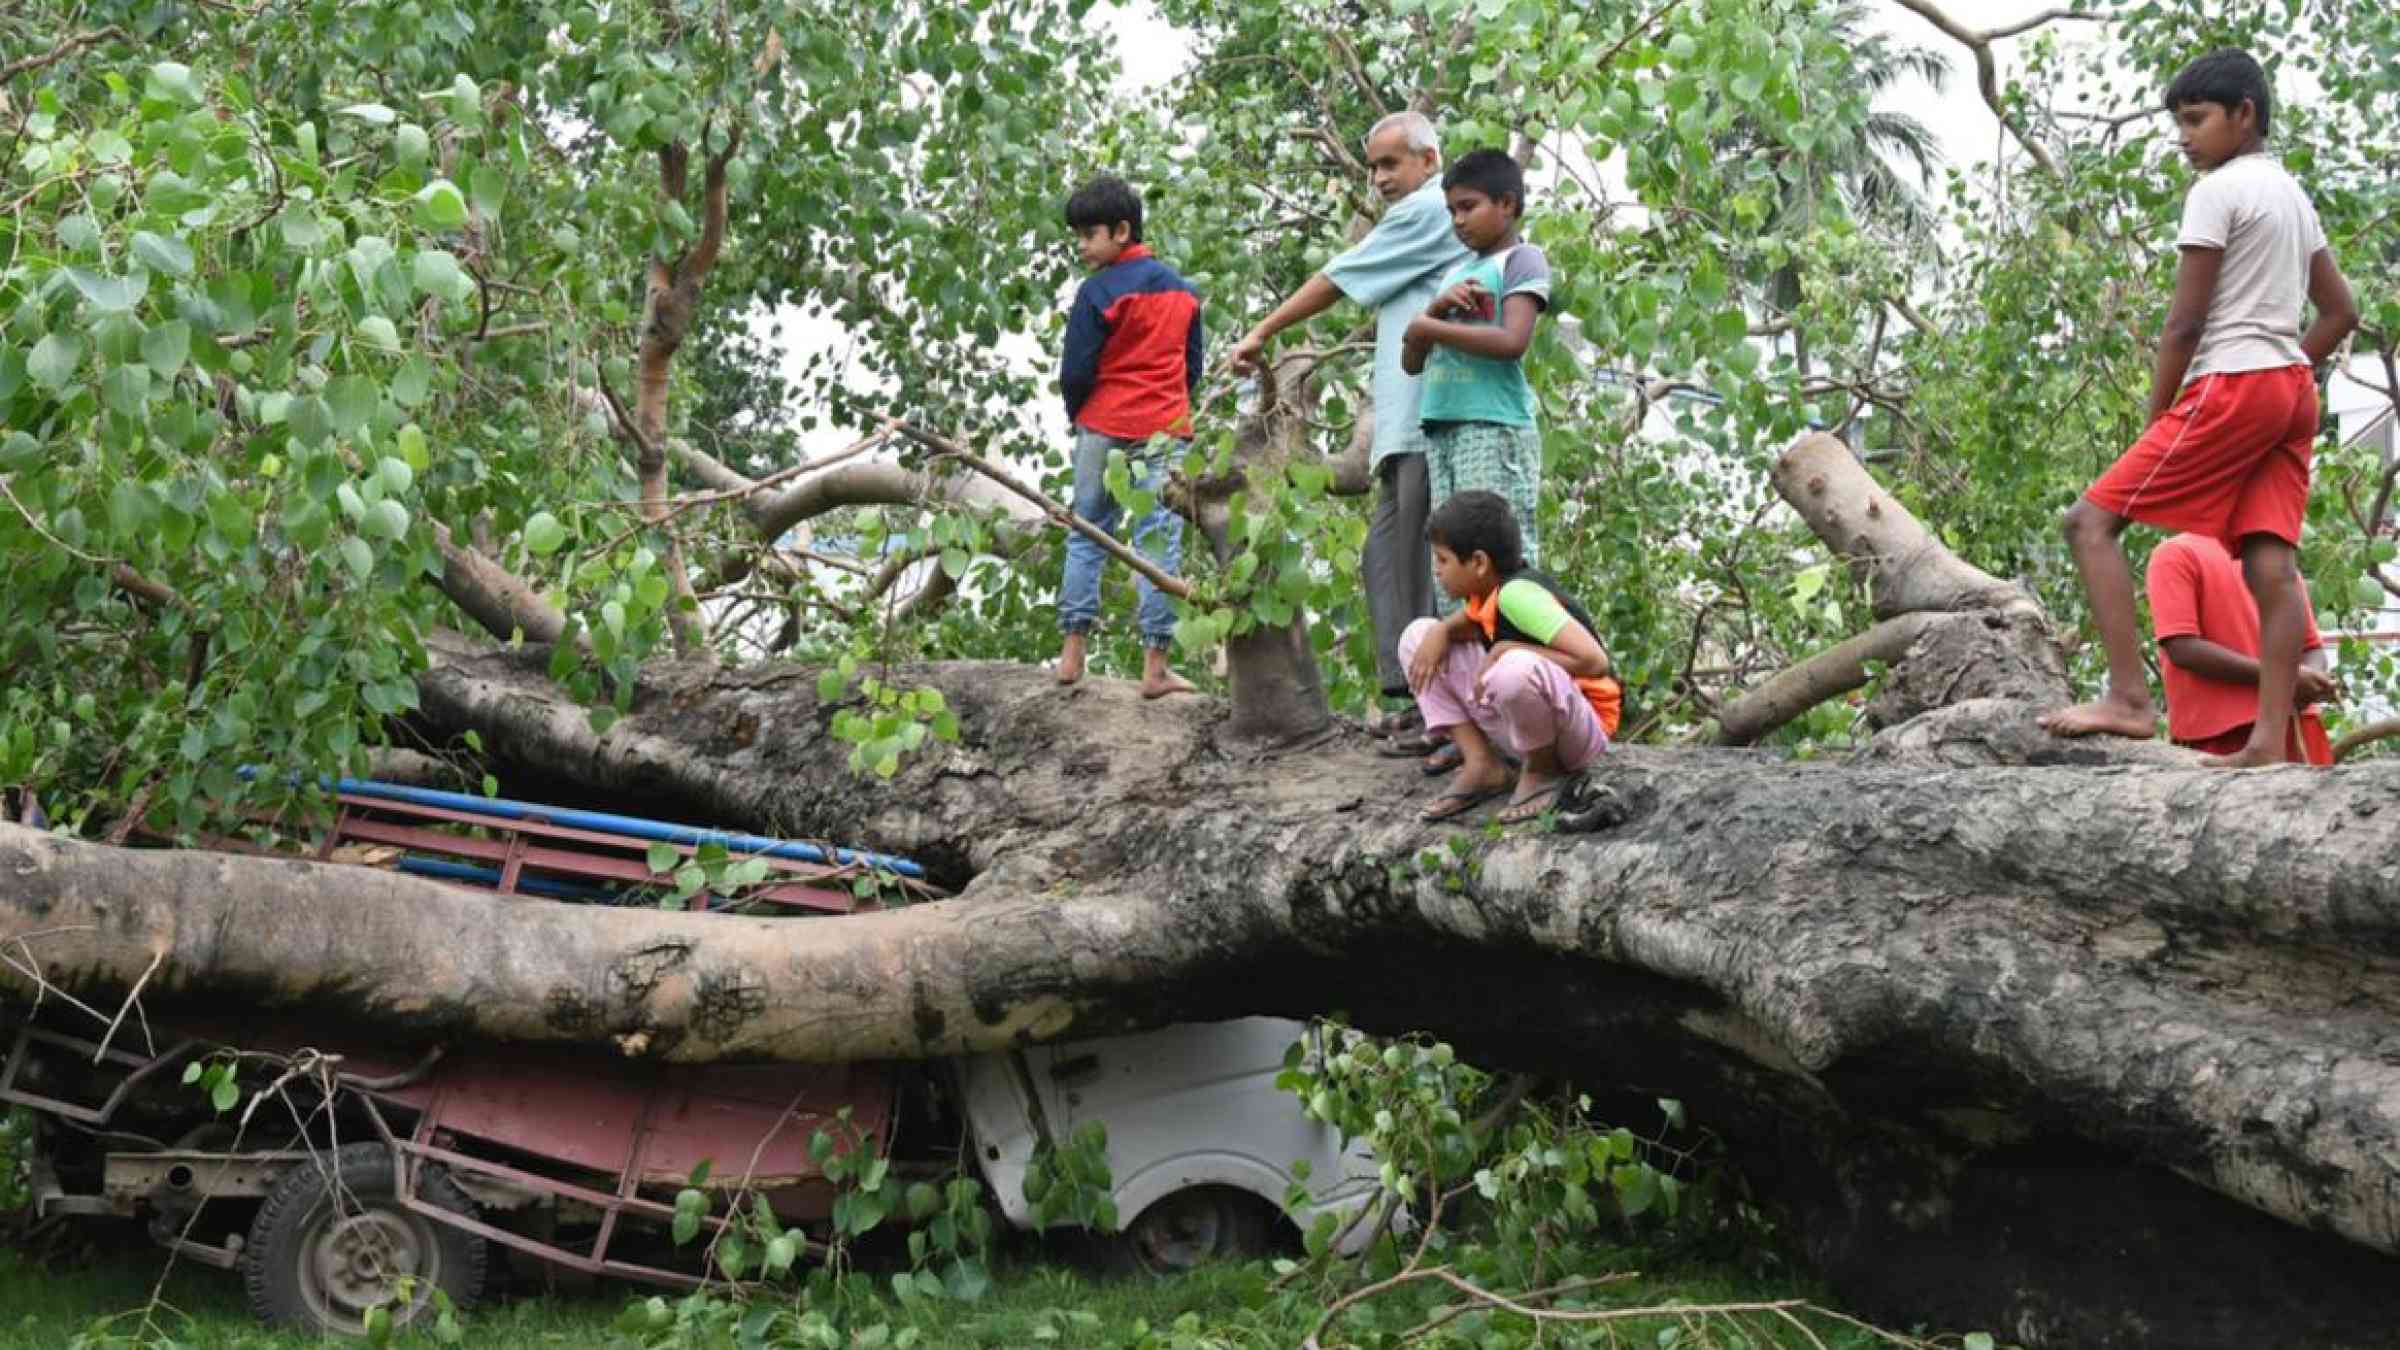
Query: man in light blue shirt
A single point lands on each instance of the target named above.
(1395, 270)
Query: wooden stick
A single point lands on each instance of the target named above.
(949, 449)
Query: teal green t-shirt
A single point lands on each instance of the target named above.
(1464, 388)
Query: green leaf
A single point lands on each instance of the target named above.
(224, 1094)
(127, 389)
(373, 113)
(166, 347)
(440, 206)
(543, 534)
(352, 400)
(437, 272)
(359, 555)
(131, 508)
(923, 1200)
(300, 228)
(413, 383)
(111, 294)
(172, 82)
(664, 857)
(386, 519)
(378, 331)
(230, 517)
(161, 254)
(54, 360)
(396, 475)
(489, 189)
(2368, 594)
(311, 421)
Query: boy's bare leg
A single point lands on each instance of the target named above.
(1157, 680)
(2268, 565)
(1537, 779)
(1070, 657)
(2125, 709)
(1480, 766)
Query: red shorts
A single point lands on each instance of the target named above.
(2304, 742)
(2228, 460)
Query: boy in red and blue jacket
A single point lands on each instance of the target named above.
(1129, 371)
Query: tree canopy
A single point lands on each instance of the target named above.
(325, 327)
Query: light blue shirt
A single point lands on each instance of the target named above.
(1396, 271)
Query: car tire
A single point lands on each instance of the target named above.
(1189, 1229)
(332, 1241)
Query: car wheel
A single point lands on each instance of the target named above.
(332, 1242)
(1191, 1228)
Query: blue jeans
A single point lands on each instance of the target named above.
(1159, 538)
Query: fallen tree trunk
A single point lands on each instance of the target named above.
(2086, 1055)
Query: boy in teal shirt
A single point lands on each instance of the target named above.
(1477, 408)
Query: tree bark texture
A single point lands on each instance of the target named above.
(2065, 1040)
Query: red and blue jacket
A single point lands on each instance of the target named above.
(1132, 359)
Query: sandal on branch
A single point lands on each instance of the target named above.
(1459, 801)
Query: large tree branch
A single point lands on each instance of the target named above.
(1830, 673)
(1987, 73)
(1906, 569)
(43, 60)
(713, 202)
(498, 600)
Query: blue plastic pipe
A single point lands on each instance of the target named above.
(658, 831)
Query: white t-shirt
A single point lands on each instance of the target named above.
(2253, 210)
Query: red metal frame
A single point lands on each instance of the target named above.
(551, 1106)
(358, 819)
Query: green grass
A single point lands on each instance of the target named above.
(1034, 1303)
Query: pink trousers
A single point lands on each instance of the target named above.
(1527, 701)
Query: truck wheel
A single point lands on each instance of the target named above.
(332, 1241)
(1191, 1228)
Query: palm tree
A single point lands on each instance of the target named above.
(1882, 169)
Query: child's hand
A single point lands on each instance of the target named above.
(1491, 658)
(1466, 300)
(1427, 663)
(2314, 686)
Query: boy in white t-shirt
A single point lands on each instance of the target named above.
(2233, 404)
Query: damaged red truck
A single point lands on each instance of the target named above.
(373, 1175)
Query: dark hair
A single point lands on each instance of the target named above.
(1106, 200)
(1476, 521)
(2226, 76)
(1491, 172)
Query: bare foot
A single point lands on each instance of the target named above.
(2252, 756)
(1158, 679)
(2103, 717)
(1070, 659)
(1166, 682)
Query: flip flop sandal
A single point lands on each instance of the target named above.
(1444, 758)
(1452, 805)
(1531, 809)
(1408, 746)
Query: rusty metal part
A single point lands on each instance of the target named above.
(185, 1178)
(20, 1055)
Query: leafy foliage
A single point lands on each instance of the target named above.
(298, 302)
